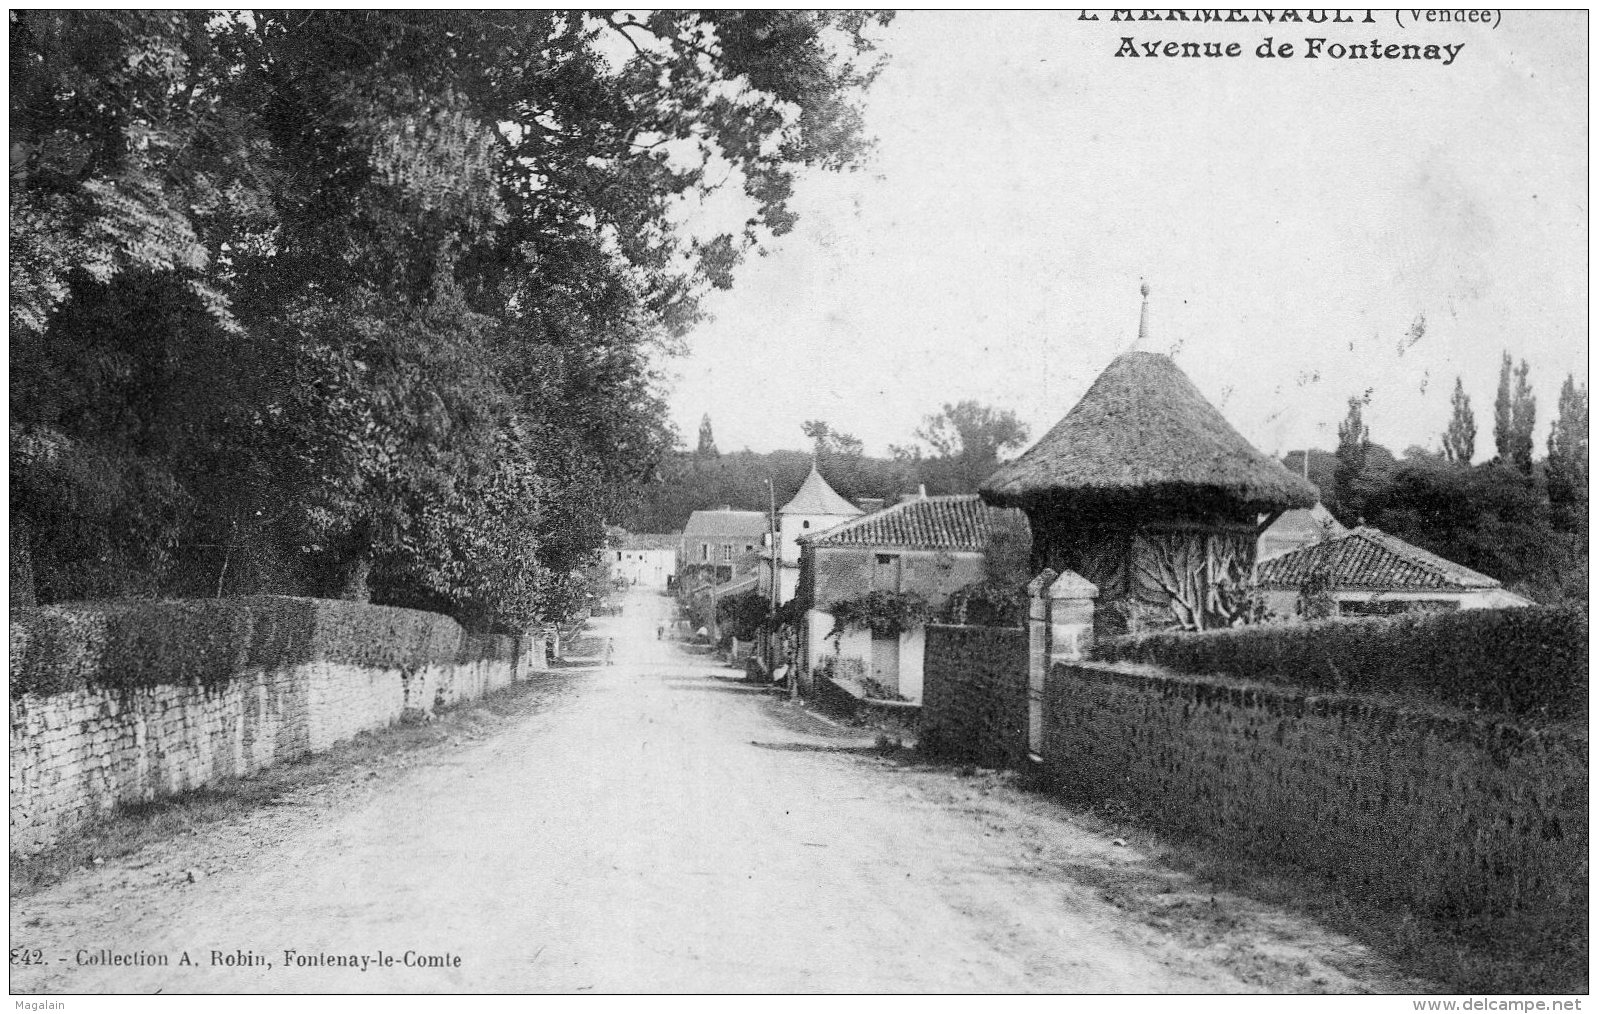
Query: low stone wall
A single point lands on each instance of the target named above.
(90, 732)
(974, 698)
(1451, 812)
(847, 700)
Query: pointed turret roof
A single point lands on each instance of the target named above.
(816, 497)
(1143, 432)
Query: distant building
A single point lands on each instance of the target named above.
(931, 546)
(723, 542)
(1373, 573)
(815, 508)
(645, 561)
(1296, 529)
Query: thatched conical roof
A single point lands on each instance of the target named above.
(1144, 433)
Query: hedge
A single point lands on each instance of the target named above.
(205, 642)
(1530, 661)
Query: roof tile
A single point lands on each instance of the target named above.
(933, 522)
(1368, 559)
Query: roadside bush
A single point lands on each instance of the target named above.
(123, 645)
(1530, 662)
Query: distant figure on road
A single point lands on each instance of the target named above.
(610, 651)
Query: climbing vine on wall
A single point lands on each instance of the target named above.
(881, 612)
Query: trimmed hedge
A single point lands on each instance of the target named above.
(206, 642)
(1530, 661)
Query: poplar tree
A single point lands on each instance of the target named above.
(1503, 428)
(1459, 440)
(1567, 453)
(1522, 419)
(707, 440)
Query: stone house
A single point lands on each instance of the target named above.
(1370, 572)
(645, 560)
(929, 545)
(723, 543)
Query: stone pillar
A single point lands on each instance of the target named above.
(1071, 617)
(1059, 629)
(532, 654)
(1037, 658)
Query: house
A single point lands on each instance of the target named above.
(647, 561)
(1145, 490)
(1369, 572)
(1296, 529)
(927, 545)
(703, 594)
(722, 542)
(815, 508)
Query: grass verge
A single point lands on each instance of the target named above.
(1527, 953)
(137, 826)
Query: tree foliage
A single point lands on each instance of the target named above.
(1503, 411)
(1566, 469)
(1459, 440)
(707, 440)
(961, 445)
(1522, 420)
(352, 302)
(1353, 448)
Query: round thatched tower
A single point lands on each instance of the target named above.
(1144, 489)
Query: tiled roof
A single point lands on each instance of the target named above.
(1368, 559)
(732, 524)
(932, 522)
(816, 497)
(646, 540)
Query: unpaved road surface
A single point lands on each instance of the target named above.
(653, 825)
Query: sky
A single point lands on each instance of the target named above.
(1310, 229)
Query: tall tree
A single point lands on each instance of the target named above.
(828, 441)
(1522, 420)
(305, 289)
(965, 441)
(1459, 440)
(1353, 454)
(1567, 457)
(707, 440)
(1503, 405)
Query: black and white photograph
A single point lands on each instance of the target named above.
(660, 502)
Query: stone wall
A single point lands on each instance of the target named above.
(1448, 811)
(82, 751)
(974, 695)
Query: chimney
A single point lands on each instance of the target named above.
(923, 491)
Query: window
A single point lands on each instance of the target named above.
(749, 549)
(618, 557)
(726, 553)
(885, 575)
(805, 524)
(704, 550)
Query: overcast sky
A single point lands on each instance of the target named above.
(1295, 219)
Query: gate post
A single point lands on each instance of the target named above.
(1071, 617)
(1037, 591)
(1059, 629)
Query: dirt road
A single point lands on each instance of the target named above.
(655, 827)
